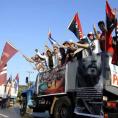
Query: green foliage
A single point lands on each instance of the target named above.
(24, 87)
(21, 88)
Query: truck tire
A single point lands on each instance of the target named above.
(63, 108)
(38, 108)
(23, 106)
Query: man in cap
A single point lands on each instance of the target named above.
(91, 39)
(47, 57)
(90, 35)
(69, 50)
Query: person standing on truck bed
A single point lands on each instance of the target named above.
(48, 57)
(94, 43)
(39, 66)
(84, 48)
(106, 44)
(106, 37)
(56, 56)
(68, 50)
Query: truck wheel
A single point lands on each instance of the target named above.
(23, 106)
(63, 108)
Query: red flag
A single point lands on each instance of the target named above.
(3, 75)
(75, 27)
(110, 16)
(109, 11)
(110, 23)
(8, 52)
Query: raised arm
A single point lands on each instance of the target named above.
(28, 59)
(95, 32)
(85, 45)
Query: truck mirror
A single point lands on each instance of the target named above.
(27, 80)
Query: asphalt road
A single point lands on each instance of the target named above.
(14, 112)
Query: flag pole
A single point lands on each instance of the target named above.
(51, 39)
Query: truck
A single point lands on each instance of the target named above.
(8, 90)
(81, 88)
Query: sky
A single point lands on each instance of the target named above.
(25, 23)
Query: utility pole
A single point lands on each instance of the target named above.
(29, 75)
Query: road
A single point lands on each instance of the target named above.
(14, 112)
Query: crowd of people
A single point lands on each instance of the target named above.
(93, 43)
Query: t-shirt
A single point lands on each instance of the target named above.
(96, 49)
(106, 45)
(94, 45)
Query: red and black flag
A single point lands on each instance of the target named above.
(75, 27)
(110, 16)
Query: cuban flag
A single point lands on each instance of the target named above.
(16, 82)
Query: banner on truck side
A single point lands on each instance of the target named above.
(51, 82)
(114, 75)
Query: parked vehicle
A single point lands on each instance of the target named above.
(9, 92)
